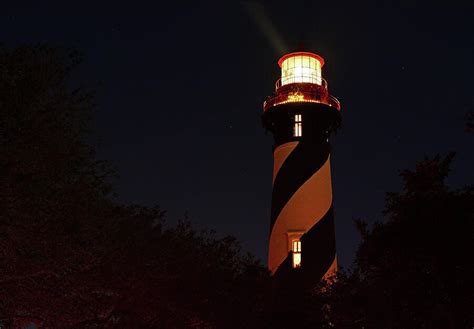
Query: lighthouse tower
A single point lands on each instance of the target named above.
(301, 116)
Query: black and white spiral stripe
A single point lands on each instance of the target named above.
(302, 201)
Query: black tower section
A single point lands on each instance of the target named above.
(319, 121)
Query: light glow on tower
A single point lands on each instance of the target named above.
(301, 67)
(301, 81)
(296, 253)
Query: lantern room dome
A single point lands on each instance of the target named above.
(301, 67)
(301, 81)
(301, 53)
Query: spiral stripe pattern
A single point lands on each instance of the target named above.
(302, 201)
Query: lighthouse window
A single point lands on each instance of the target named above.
(296, 253)
(298, 128)
(301, 69)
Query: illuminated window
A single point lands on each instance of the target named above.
(298, 126)
(296, 253)
(301, 69)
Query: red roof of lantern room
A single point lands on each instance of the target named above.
(301, 53)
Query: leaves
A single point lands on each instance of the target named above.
(414, 269)
(73, 257)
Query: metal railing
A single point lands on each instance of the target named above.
(307, 96)
(323, 84)
(301, 92)
(333, 101)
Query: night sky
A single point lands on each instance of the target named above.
(180, 90)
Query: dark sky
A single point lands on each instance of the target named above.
(180, 91)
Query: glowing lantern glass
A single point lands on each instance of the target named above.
(301, 67)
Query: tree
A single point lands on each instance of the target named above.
(73, 257)
(53, 189)
(415, 269)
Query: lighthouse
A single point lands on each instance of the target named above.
(301, 115)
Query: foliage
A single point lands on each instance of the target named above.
(71, 256)
(415, 269)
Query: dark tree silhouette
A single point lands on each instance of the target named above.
(415, 269)
(72, 257)
(52, 191)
